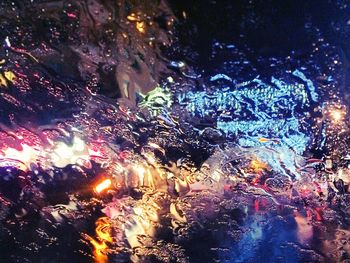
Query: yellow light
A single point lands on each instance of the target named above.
(263, 140)
(6, 77)
(140, 26)
(3, 81)
(103, 185)
(132, 17)
(258, 165)
(10, 76)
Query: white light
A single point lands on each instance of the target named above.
(64, 154)
(103, 186)
(337, 115)
(7, 41)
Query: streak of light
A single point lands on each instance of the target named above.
(140, 170)
(24, 52)
(105, 184)
(103, 226)
(103, 232)
(7, 42)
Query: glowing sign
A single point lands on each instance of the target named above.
(256, 109)
(264, 116)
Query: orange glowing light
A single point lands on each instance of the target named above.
(100, 247)
(105, 184)
(99, 250)
(103, 226)
(263, 140)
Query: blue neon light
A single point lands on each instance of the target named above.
(255, 109)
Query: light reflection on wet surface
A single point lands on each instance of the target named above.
(122, 142)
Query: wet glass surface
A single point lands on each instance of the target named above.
(179, 131)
